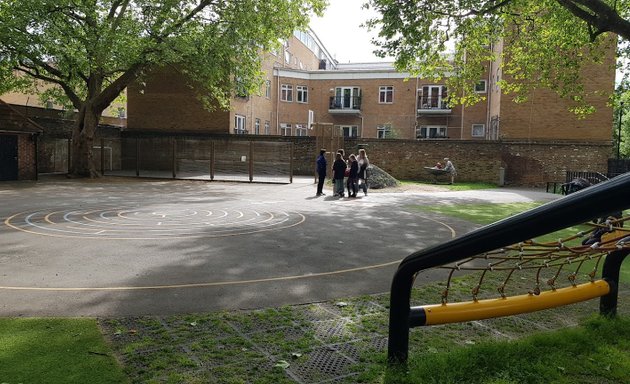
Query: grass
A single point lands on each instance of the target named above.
(459, 186)
(597, 352)
(55, 351)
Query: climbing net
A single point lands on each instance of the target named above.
(551, 265)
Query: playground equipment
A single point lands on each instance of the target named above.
(506, 247)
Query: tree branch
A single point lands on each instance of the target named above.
(34, 72)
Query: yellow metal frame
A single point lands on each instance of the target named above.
(514, 305)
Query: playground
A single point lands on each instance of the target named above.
(121, 247)
(157, 263)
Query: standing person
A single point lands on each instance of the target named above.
(351, 184)
(450, 168)
(339, 169)
(321, 171)
(363, 163)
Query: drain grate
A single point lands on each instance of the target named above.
(334, 331)
(320, 365)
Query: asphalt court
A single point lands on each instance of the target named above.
(118, 246)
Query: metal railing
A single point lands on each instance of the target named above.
(571, 210)
(345, 103)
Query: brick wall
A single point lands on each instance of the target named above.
(530, 164)
(26, 158)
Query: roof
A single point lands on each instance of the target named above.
(13, 121)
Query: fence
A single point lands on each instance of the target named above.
(199, 158)
(196, 158)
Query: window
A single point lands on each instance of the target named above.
(267, 127)
(285, 129)
(257, 127)
(302, 93)
(286, 92)
(433, 97)
(386, 95)
(350, 130)
(239, 125)
(347, 98)
(383, 131)
(268, 89)
(300, 130)
(49, 104)
(430, 132)
(478, 130)
(480, 87)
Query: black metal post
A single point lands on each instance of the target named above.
(610, 273)
(102, 157)
(619, 129)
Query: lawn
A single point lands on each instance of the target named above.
(55, 351)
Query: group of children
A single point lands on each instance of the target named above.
(354, 169)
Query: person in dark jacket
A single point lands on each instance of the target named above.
(339, 170)
(321, 172)
(351, 184)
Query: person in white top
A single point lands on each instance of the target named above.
(450, 168)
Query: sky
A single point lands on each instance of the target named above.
(340, 32)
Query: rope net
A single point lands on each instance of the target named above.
(534, 266)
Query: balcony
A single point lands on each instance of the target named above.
(433, 106)
(345, 105)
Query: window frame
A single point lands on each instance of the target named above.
(483, 130)
(267, 127)
(257, 126)
(284, 127)
(428, 128)
(301, 93)
(348, 130)
(239, 124)
(286, 93)
(383, 92)
(382, 131)
(301, 130)
(268, 89)
(485, 86)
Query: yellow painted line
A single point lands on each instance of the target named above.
(196, 285)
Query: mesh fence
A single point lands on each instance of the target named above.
(195, 158)
(52, 155)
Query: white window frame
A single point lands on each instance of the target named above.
(286, 93)
(267, 127)
(347, 96)
(476, 126)
(302, 94)
(383, 131)
(440, 131)
(386, 94)
(285, 129)
(257, 126)
(481, 86)
(433, 97)
(301, 130)
(239, 124)
(268, 89)
(349, 130)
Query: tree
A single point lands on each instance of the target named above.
(621, 112)
(91, 50)
(545, 42)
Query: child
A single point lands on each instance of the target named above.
(339, 169)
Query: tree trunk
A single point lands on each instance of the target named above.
(82, 141)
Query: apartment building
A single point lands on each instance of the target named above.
(305, 85)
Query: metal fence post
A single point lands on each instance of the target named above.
(137, 157)
(291, 162)
(102, 157)
(174, 150)
(251, 161)
(212, 160)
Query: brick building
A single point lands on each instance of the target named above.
(18, 145)
(369, 100)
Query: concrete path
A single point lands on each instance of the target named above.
(124, 247)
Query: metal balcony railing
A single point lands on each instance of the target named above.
(577, 208)
(341, 103)
(433, 104)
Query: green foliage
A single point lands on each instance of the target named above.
(93, 49)
(544, 44)
(55, 351)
